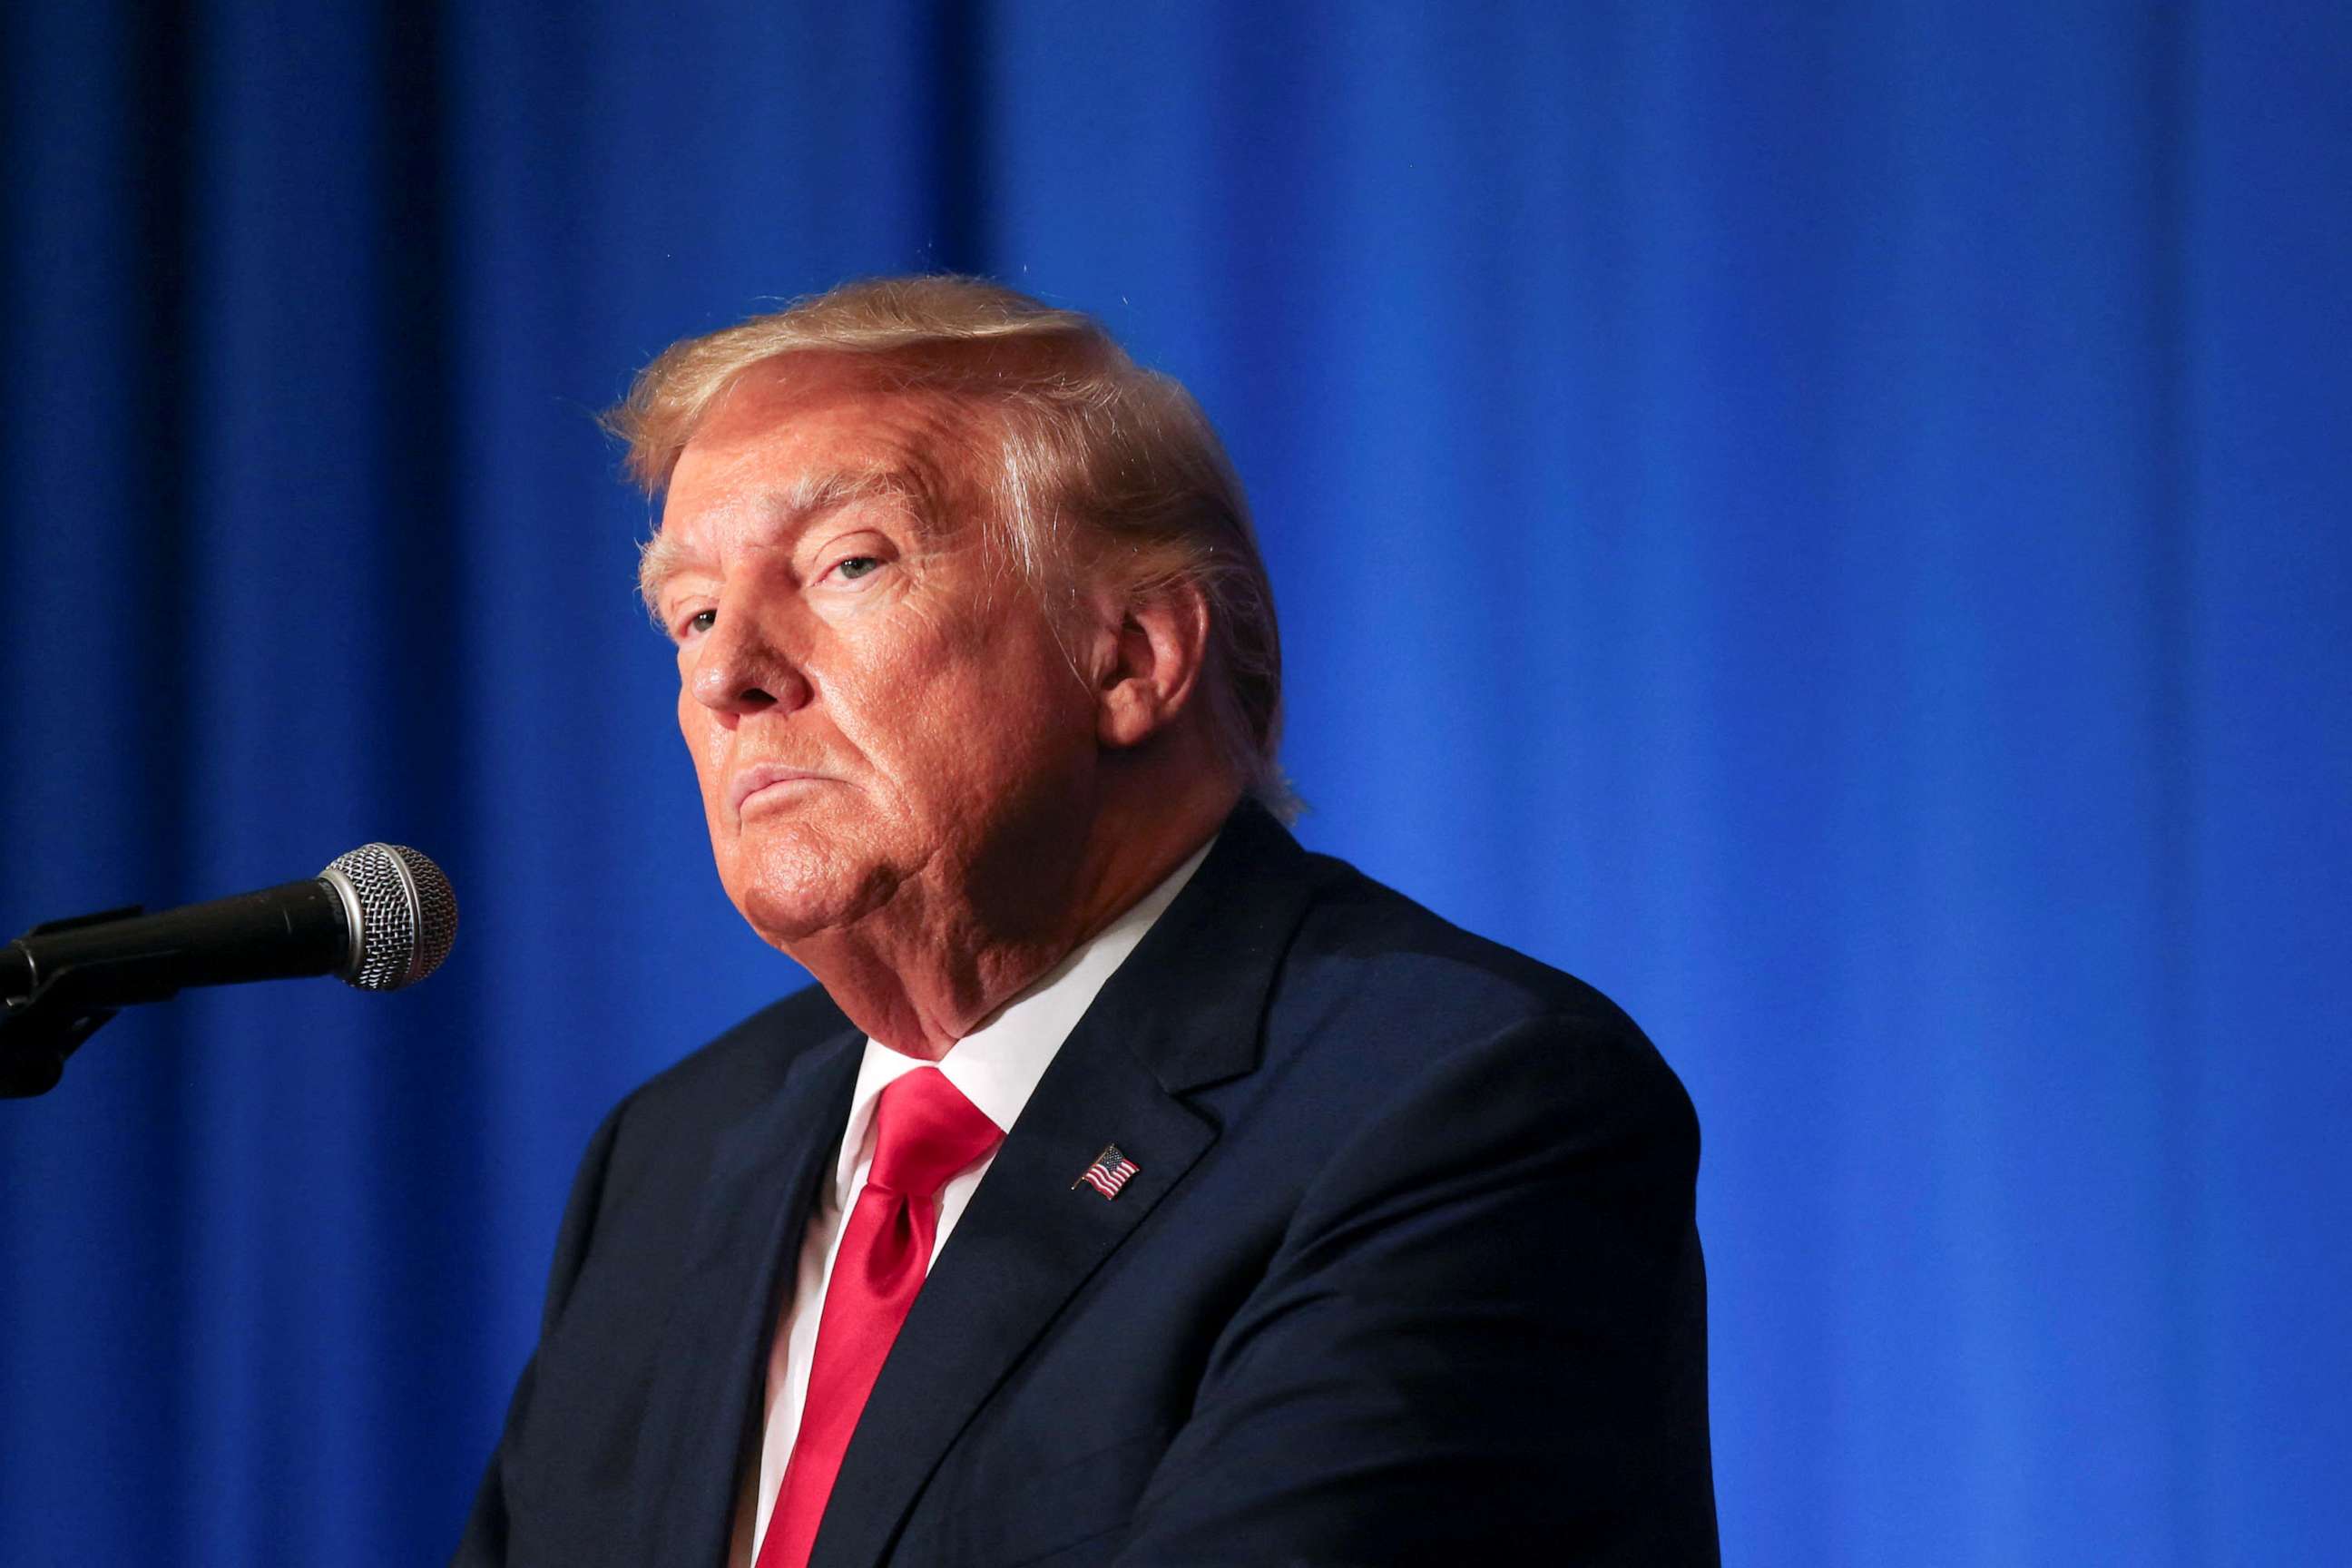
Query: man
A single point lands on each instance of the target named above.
(1134, 1187)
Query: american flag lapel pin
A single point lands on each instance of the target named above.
(1110, 1172)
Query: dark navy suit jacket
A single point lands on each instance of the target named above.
(1407, 1271)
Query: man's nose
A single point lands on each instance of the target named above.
(737, 670)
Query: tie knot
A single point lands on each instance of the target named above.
(925, 1131)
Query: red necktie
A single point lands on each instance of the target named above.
(925, 1131)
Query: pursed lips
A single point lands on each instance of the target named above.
(750, 781)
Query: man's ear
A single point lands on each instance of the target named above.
(1152, 661)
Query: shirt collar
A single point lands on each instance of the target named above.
(997, 1066)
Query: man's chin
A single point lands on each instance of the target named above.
(794, 898)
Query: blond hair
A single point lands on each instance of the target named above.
(1101, 465)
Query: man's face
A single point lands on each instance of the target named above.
(880, 716)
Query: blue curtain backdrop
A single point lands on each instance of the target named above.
(1829, 521)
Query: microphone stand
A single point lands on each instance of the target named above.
(38, 1031)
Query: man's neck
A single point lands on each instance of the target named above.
(922, 973)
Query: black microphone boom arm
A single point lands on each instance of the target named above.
(42, 1028)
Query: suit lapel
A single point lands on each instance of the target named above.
(1183, 1012)
(707, 1396)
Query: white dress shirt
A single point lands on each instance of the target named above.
(996, 1067)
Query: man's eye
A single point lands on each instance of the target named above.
(701, 620)
(857, 566)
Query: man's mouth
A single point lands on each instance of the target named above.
(767, 781)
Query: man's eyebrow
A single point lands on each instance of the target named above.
(813, 493)
(658, 559)
(662, 557)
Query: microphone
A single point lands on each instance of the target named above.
(379, 917)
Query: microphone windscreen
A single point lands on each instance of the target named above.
(406, 914)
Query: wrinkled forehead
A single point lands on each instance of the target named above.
(798, 418)
(807, 430)
(804, 433)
